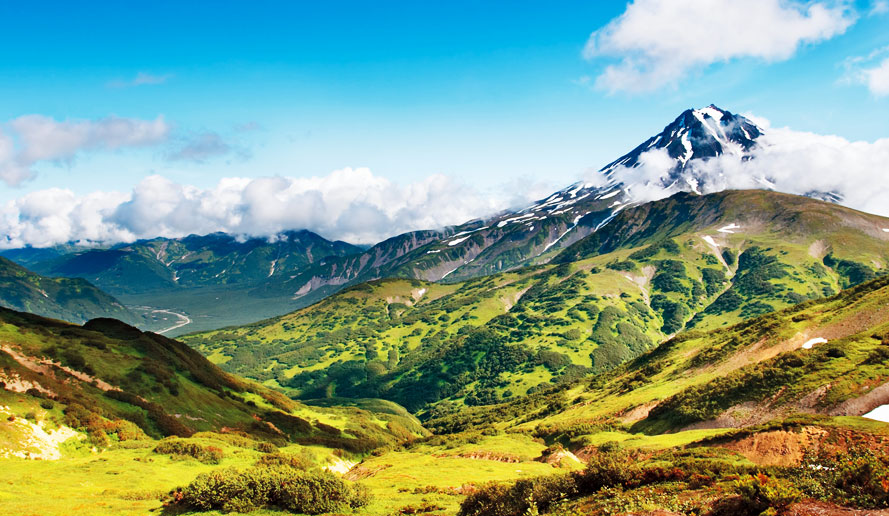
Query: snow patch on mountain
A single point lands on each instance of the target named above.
(730, 229)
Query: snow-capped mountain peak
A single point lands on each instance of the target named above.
(695, 134)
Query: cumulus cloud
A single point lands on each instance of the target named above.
(657, 42)
(349, 204)
(30, 139)
(141, 79)
(201, 147)
(784, 160)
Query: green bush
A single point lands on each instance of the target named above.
(232, 490)
(523, 497)
(609, 468)
(764, 495)
(300, 462)
(182, 448)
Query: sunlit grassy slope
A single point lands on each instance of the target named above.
(766, 368)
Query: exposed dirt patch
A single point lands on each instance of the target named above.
(559, 458)
(34, 440)
(813, 508)
(45, 366)
(341, 466)
(15, 383)
(778, 447)
(643, 280)
(863, 404)
(818, 249)
(637, 413)
(739, 416)
(510, 301)
(788, 447)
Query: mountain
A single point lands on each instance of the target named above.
(69, 299)
(538, 232)
(680, 428)
(688, 261)
(191, 283)
(694, 137)
(194, 261)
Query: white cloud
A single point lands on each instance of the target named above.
(791, 161)
(870, 71)
(31, 139)
(877, 78)
(141, 79)
(349, 204)
(658, 42)
(879, 7)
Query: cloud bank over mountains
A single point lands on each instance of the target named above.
(348, 204)
(360, 207)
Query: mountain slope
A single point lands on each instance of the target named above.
(163, 387)
(702, 261)
(824, 357)
(105, 419)
(74, 300)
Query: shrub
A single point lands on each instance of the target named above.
(764, 495)
(611, 468)
(266, 447)
(300, 462)
(231, 490)
(523, 497)
(183, 449)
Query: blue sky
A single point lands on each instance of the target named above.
(486, 93)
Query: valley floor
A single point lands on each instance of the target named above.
(432, 477)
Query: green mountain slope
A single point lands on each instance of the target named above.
(827, 357)
(688, 261)
(161, 385)
(74, 300)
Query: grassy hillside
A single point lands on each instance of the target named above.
(777, 397)
(74, 300)
(483, 341)
(765, 368)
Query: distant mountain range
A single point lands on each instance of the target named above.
(69, 299)
(200, 277)
(207, 277)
